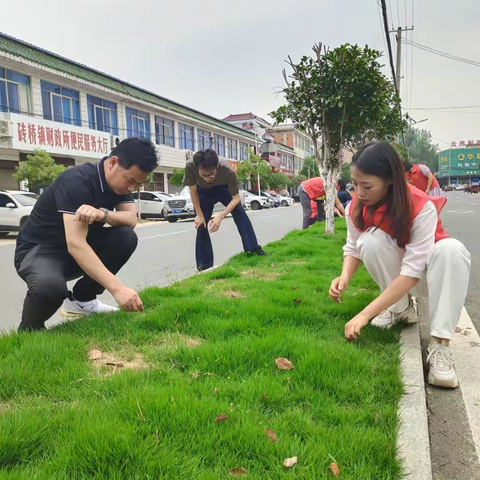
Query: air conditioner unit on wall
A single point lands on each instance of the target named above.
(6, 129)
(114, 140)
(189, 154)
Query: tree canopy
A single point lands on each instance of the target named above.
(342, 98)
(39, 170)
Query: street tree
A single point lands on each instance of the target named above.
(297, 180)
(310, 168)
(39, 170)
(177, 177)
(255, 168)
(341, 98)
(346, 173)
(421, 148)
(278, 181)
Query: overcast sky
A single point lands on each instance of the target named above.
(226, 56)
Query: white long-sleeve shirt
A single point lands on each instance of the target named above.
(422, 240)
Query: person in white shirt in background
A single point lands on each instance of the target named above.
(395, 230)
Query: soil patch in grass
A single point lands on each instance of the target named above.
(260, 274)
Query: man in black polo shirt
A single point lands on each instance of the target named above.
(65, 236)
(212, 181)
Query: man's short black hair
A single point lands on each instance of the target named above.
(206, 158)
(136, 151)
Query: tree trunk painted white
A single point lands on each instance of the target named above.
(331, 192)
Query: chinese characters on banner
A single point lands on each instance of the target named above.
(57, 138)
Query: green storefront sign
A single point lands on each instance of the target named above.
(458, 162)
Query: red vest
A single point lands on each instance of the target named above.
(418, 199)
(416, 177)
(314, 188)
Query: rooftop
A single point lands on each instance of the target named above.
(31, 53)
(245, 116)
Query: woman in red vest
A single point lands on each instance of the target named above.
(421, 176)
(395, 230)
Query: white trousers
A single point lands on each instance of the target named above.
(445, 280)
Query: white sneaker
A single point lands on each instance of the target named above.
(442, 366)
(81, 309)
(388, 319)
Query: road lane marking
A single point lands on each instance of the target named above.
(165, 234)
(270, 216)
(475, 204)
(459, 211)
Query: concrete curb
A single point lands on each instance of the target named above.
(413, 446)
(465, 351)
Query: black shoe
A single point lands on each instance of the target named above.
(260, 252)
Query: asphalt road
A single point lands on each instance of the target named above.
(461, 217)
(166, 252)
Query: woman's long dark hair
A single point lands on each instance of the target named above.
(382, 160)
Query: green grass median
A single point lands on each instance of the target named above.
(205, 347)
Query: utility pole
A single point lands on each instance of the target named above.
(398, 69)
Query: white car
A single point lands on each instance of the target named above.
(254, 201)
(151, 204)
(15, 207)
(181, 206)
(284, 200)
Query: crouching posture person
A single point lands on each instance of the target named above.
(395, 230)
(65, 236)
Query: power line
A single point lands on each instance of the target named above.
(387, 35)
(443, 54)
(381, 25)
(445, 108)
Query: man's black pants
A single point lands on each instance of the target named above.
(46, 270)
(208, 199)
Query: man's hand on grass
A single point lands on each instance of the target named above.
(89, 214)
(353, 327)
(214, 224)
(337, 287)
(128, 299)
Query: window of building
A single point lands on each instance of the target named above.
(138, 123)
(60, 104)
(203, 139)
(14, 92)
(219, 145)
(102, 115)
(243, 151)
(164, 131)
(185, 137)
(232, 149)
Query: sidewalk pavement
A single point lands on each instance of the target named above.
(439, 436)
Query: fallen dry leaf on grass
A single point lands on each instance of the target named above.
(115, 364)
(94, 354)
(297, 301)
(272, 265)
(265, 395)
(238, 472)
(294, 288)
(215, 391)
(290, 462)
(284, 364)
(271, 435)
(221, 418)
(335, 470)
(458, 330)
